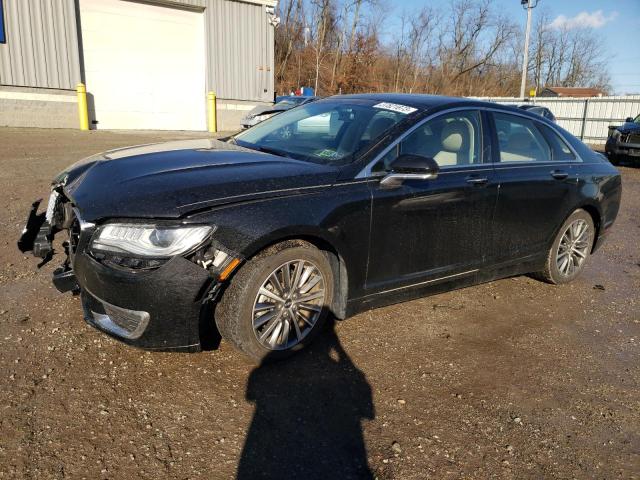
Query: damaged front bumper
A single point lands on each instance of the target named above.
(164, 308)
(37, 234)
(157, 309)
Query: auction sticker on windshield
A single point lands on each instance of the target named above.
(395, 107)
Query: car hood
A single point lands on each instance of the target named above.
(629, 127)
(170, 180)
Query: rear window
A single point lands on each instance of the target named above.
(559, 148)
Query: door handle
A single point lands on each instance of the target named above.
(477, 180)
(559, 174)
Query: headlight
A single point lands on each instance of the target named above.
(615, 134)
(148, 240)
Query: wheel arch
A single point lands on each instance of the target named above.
(319, 240)
(596, 216)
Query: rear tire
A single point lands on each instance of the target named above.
(570, 249)
(294, 309)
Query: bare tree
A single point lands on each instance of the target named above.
(464, 48)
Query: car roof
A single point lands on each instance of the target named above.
(428, 102)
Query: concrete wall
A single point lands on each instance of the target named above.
(230, 112)
(37, 107)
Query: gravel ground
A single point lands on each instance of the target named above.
(510, 379)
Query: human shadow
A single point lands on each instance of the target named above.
(307, 421)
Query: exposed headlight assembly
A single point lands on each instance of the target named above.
(148, 240)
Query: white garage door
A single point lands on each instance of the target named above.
(144, 65)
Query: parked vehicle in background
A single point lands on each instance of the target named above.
(283, 103)
(624, 141)
(376, 199)
(538, 110)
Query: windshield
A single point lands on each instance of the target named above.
(328, 132)
(637, 120)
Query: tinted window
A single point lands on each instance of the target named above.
(559, 148)
(452, 139)
(519, 139)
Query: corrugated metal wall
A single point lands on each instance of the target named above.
(586, 118)
(42, 44)
(240, 51)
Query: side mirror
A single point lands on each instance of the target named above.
(629, 120)
(410, 167)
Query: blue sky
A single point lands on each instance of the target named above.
(616, 23)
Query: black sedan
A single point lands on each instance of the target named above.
(332, 208)
(624, 140)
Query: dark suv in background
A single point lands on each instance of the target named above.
(624, 141)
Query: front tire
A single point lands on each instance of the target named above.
(571, 247)
(277, 302)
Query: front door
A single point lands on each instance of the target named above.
(427, 230)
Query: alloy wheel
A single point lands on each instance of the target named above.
(288, 304)
(573, 248)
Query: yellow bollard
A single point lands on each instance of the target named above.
(83, 113)
(211, 104)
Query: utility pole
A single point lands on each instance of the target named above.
(528, 5)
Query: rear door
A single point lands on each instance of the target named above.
(431, 230)
(537, 182)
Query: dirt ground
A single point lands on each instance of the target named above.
(511, 379)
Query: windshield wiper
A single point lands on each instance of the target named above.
(272, 151)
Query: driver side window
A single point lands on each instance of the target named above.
(452, 140)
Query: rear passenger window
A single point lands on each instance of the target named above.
(519, 139)
(559, 148)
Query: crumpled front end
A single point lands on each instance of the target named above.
(623, 143)
(149, 303)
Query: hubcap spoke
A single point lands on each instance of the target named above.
(579, 253)
(270, 328)
(262, 319)
(276, 283)
(311, 296)
(271, 295)
(310, 284)
(310, 306)
(304, 319)
(261, 307)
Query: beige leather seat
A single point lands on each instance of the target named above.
(455, 146)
